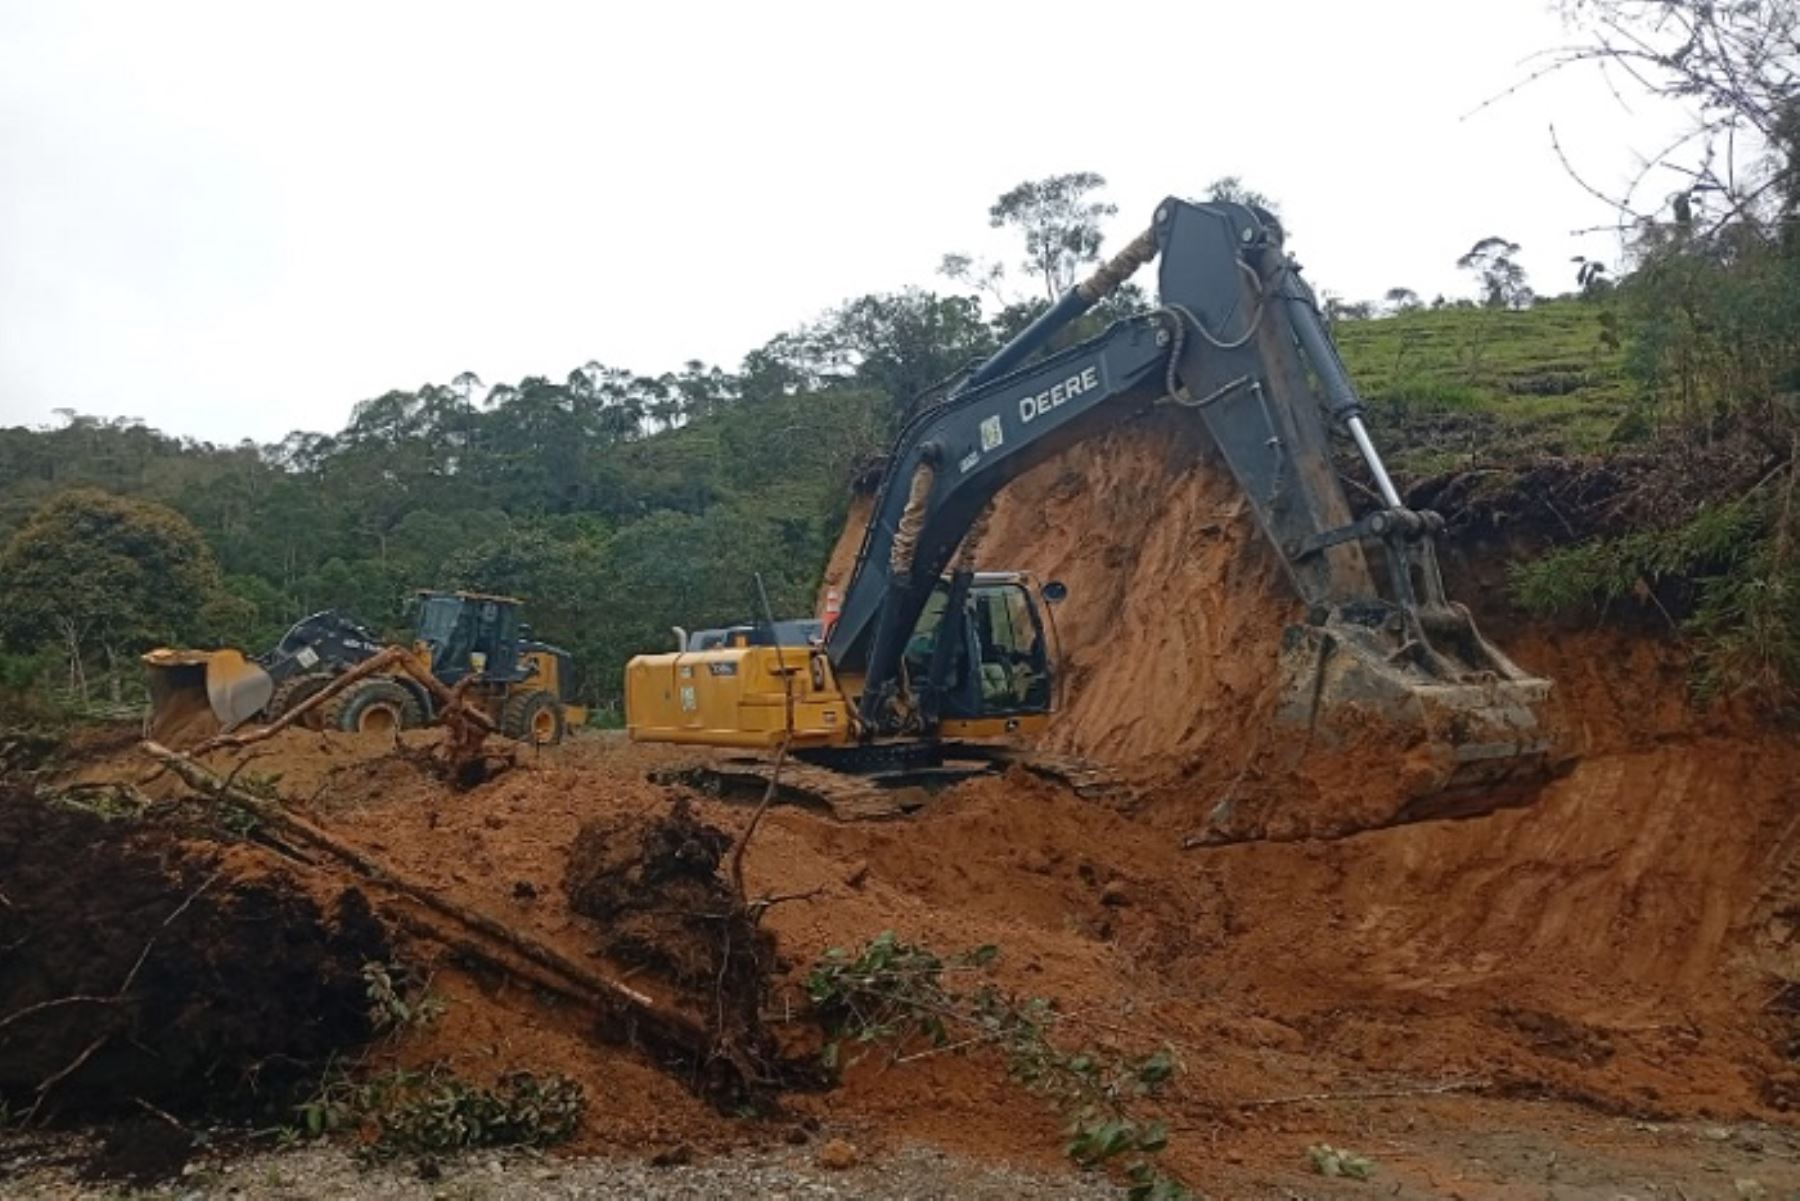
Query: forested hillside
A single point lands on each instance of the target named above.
(553, 492)
(619, 504)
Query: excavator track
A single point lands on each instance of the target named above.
(1085, 778)
(847, 797)
(889, 792)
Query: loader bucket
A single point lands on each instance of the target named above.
(197, 693)
(1474, 722)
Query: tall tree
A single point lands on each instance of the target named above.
(101, 575)
(1501, 279)
(1232, 189)
(896, 343)
(1059, 218)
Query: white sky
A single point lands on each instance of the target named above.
(237, 219)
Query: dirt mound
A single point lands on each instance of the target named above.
(142, 970)
(1615, 941)
(654, 888)
(1630, 942)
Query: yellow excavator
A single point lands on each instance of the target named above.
(470, 641)
(924, 668)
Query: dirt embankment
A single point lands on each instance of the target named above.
(1625, 943)
(1619, 939)
(1175, 605)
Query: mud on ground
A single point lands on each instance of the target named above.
(1516, 991)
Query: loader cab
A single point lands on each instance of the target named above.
(459, 626)
(980, 649)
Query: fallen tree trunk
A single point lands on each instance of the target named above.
(722, 1070)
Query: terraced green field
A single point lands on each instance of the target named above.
(1456, 388)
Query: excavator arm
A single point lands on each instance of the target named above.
(1238, 339)
(951, 462)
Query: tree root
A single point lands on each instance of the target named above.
(661, 1025)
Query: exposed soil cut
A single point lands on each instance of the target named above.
(1175, 606)
(1613, 941)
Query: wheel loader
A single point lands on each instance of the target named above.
(932, 669)
(468, 641)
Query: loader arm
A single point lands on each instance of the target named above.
(1238, 339)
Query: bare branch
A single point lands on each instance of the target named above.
(1590, 189)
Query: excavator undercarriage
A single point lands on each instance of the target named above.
(885, 780)
(928, 654)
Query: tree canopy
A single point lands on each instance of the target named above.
(92, 572)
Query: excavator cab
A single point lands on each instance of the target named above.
(980, 652)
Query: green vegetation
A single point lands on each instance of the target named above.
(397, 1002)
(610, 532)
(1328, 1160)
(620, 504)
(433, 1112)
(897, 995)
(1453, 388)
(1737, 582)
(97, 575)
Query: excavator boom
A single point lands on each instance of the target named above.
(1239, 340)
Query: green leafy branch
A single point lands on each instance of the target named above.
(398, 1001)
(433, 1112)
(897, 994)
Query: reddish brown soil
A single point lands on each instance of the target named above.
(1175, 605)
(1619, 945)
(1616, 942)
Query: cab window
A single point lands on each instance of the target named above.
(1010, 644)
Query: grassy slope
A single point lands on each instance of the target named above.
(1456, 387)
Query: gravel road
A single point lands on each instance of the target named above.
(43, 1171)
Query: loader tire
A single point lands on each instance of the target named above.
(291, 694)
(371, 706)
(535, 718)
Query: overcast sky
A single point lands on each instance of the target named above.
(238, 219)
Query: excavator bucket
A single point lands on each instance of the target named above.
(1470, 720)
(196, 693)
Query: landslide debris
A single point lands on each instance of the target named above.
(653, 885)
(139, 970)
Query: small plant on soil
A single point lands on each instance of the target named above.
(108, 802)
(397, 1000)
(1335, 1161)
(433, 1111)
(897, 995)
